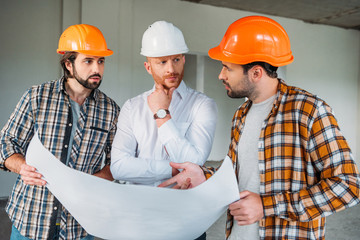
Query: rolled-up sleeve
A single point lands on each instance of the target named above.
(18, 131)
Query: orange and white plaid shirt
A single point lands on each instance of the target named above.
(307, 171)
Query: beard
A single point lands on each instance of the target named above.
(169, 84)
(86, 82)
(178, 76)
(247, 89)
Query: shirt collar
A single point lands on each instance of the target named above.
(281, 90)
(181, 90)
(60, 87)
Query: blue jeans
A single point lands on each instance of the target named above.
(15, 235)
(202, 237)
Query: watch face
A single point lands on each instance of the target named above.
(161, 113)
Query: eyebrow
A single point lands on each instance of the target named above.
(224, 65)
(90, 58)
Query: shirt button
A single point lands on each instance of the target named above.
(70, 124)
(55, 208)
(66, 146)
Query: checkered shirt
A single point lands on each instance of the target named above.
(307, 171)
(46, 108)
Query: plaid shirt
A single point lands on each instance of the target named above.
(46, 109)
(307, 171)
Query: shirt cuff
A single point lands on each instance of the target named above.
(270, 205)
(163, 170)
(168, 131)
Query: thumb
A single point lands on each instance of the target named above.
(177, 165)
(171, 91)
(159, 86)
(244, 194)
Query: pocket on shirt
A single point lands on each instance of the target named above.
(98, 129)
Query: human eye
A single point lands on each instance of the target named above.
(88, 61)
(226, 68)
(101, 61)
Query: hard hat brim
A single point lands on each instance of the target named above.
(219, 54)
(105, 53)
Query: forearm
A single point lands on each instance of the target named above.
(187, 142)
(330, 180)
(105, 173)
(14, 162)
(323, 199)
(126, 167)
(16, 134)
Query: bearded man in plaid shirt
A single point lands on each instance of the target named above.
(294, 166)
(75, 121)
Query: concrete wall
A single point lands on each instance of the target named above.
(326, 58)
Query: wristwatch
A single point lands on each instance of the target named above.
(161, 113)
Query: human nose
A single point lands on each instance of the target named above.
(222, 75)
(170, 67)
(96, 67)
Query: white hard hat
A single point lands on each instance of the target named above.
(163, 39)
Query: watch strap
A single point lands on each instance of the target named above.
(157, 117)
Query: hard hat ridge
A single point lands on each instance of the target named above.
(254, 39)
(83, 38)
(163, 39)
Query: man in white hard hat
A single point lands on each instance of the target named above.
(170, 122)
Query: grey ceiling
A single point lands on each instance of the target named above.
(340, 13)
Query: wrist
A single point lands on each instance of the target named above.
(161, 113)
(161, 121)
(14, 162)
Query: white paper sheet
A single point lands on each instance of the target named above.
(116, 211)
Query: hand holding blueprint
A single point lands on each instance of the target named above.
(116, 211)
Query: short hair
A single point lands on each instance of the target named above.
(67, 56)
(269, 69)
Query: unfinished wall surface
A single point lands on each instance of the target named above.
(326, 58)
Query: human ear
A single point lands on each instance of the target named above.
(147, 66)
(69, 66)
(256, 72)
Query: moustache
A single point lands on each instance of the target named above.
(172, 75)
(95, 75)
(225, 83)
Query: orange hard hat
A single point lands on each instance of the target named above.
(83, 38)
(254, 39)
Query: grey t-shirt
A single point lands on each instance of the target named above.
(75, 107)
(248, 162)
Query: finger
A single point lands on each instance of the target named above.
(236, 212)
(186, 184)
(234, 205)
(167, 183)
(33, 181)
(27, 168)
(171, 91)
(30, 174)
(159, 86)
(177, 186)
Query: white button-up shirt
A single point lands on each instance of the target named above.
(141, 152)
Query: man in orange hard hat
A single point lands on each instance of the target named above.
(293, 165)
(75, 121)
